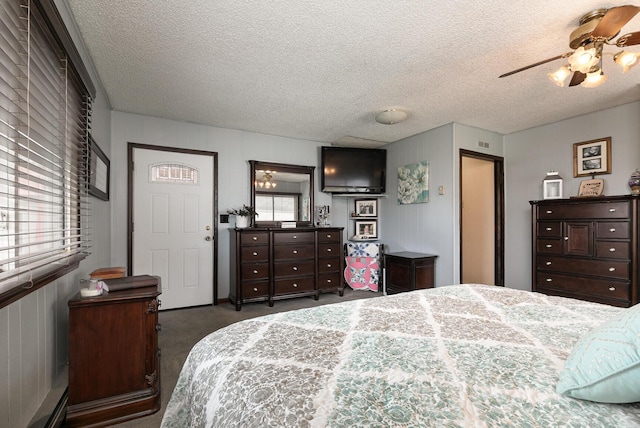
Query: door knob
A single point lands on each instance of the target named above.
(207, 238)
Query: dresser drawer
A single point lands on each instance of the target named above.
(255, 289)
(581, 211)
(329, 280)
(294, 267)
(606, 268)
(249, 238)
(294, 285)
(283, 252)
(591, 286)
(329, 265)
(550, 229)
(549, 246)
(329, 236)
(293, 237)
(258, 253)
(329, 250)
(254, 271)
(612, 230)
(612, 250)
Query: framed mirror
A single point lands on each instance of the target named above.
(281, 193)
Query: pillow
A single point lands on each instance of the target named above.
(356, 272)
(604, 365)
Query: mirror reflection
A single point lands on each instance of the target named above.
(282, 192)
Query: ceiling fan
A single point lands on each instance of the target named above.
(597, 29)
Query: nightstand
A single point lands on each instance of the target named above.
(408, 271)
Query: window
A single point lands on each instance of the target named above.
(277, 207)
(45, 108)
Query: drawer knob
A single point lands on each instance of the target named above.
(613, 229)
(548, 229)
(328, 250)
(295, 251)
(612, 210)
(255, 289)
(329, 236)
(295, 285)
(255, 238)
(566, 238)
(612, 269)
(612, 250)
(255, 271)
(329, 281)
(549, 212)
(328, 265)
(549, 246)
(549, 280)
(295, 268)
(612, 288)
(548, 263)
(255, 253)
(295, 236)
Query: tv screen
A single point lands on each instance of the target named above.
(353, 170)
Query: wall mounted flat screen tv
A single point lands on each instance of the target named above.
(353, 170)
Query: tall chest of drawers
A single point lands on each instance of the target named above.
(269, 264)
(587, 248)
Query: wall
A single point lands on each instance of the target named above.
(34, 333)
(531, 153)
(234, 148)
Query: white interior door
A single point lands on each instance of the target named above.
(173, 224)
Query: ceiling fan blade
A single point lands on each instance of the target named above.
(577, 78)
(629, 39)
(613, 21)
(564, 55)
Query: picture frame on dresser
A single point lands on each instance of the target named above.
(366, 207)
(592, 157)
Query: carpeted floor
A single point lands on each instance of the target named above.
(183, 328)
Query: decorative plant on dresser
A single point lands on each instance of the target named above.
(587, 248)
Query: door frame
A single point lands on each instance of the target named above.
(214, 155)
(498, 191)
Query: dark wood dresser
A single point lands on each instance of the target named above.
(408, 271)
(587, 248)
(114, 367)
(269, 264)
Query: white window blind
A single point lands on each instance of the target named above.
(44, 128)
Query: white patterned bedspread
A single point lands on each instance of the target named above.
(462, 355)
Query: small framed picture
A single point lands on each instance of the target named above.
(592, 157)
(591, 187)
(98, 173)
(366, 207)
(366, 229)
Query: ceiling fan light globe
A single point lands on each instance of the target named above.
(583, 59)
(560, 75)
(594, 79)
(626, 60)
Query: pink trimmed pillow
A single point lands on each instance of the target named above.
(356, 272)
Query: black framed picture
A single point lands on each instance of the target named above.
(98, 171)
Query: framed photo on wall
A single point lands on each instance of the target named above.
(98, 171)
(366, 207)
(366, 229)
(592, 157)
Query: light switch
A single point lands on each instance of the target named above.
(441, 190)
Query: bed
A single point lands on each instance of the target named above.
(462, 355)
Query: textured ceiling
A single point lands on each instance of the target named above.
(321, 70)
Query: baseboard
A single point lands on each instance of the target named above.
(56, 420)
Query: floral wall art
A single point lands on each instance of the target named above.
(413, 183)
